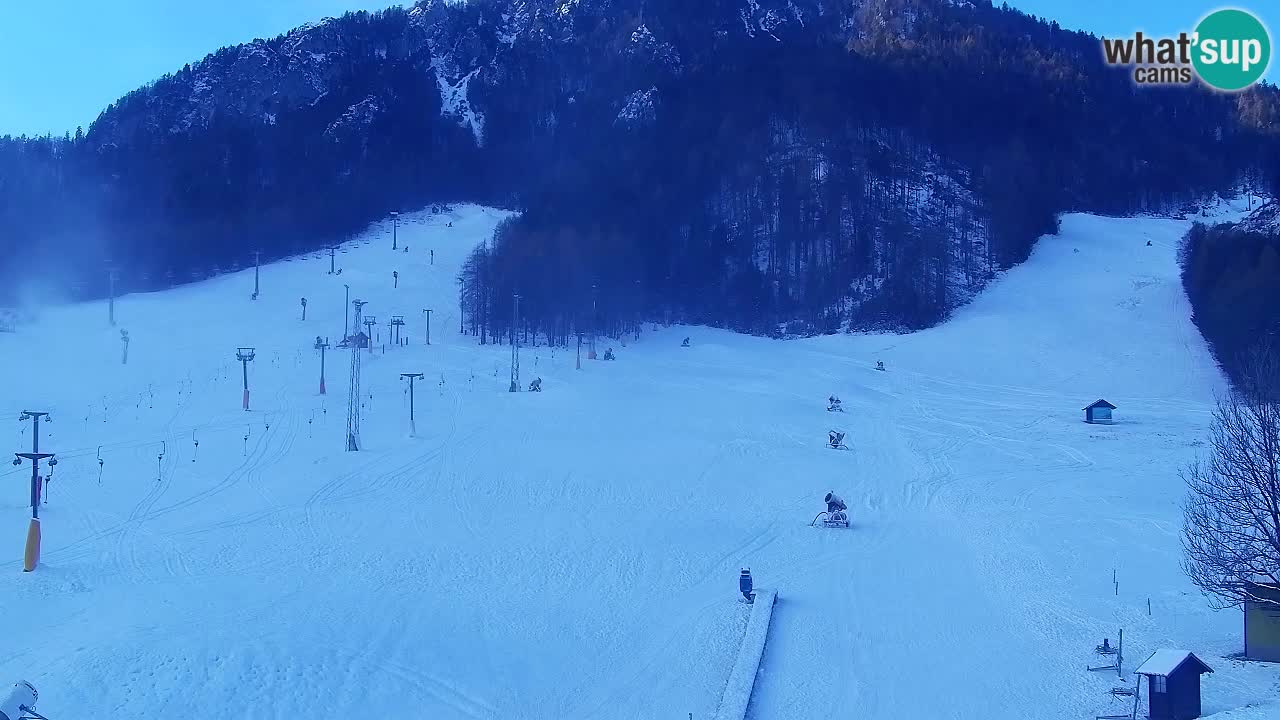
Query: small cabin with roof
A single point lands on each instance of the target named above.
(1262, 623)
(1099, 413)
(1173, 684)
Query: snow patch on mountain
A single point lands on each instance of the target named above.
(646, 47)
(355, 120)
(639, 110)
(454, 102)
(1266, 219)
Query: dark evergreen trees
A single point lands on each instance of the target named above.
(801, 171)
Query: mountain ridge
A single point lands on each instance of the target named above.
(686, 140)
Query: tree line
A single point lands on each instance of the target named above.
(866, 168)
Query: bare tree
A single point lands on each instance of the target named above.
(1231, 533)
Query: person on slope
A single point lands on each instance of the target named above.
(834, 504)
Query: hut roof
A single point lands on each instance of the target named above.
(1101, 403)
(1164, 663)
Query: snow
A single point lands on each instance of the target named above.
(1264, 711)
(454, 102)
(737, 691)
(575, 553)
(639, 109)
(1163, 662)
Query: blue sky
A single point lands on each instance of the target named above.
(63, 61)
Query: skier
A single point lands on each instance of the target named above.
(833, 404)
(834, 504)
(835, 439)
(608, 354)
(685, 343)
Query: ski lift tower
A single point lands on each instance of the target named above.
(321, 345)
(111, 295)
(397, 322)
(346, 312)
(591, 348)
(413, 428)
(257, 265)
(353, 396)
(369, 322)
(395, 226)
(32, 556)
(515, 343)
(245, 355)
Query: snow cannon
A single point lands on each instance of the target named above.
(744, 584)
(20, 700)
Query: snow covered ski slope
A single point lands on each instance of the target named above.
(574, 553)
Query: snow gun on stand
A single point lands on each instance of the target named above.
(20, 703)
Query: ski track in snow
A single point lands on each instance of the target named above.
(574, 553)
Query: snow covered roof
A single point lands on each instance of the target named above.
(1164, 662)
(1101, 403)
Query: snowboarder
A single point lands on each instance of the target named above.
(880, 365)
(835, 440)
(536, 385)
(833, 404)
(685, 343)
(608, 354)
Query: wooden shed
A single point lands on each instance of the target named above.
(1173, 684)
(1262, 623)
(1099, 412)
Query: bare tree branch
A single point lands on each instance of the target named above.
(1231, 531)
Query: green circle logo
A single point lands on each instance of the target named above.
(1232, 49)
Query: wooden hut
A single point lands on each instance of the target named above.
(1173, 684)
(1262, 623)
(1099, 413)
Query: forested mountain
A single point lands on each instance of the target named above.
(1232, 277)
(767, 165)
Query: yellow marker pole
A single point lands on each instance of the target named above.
(32, 556)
